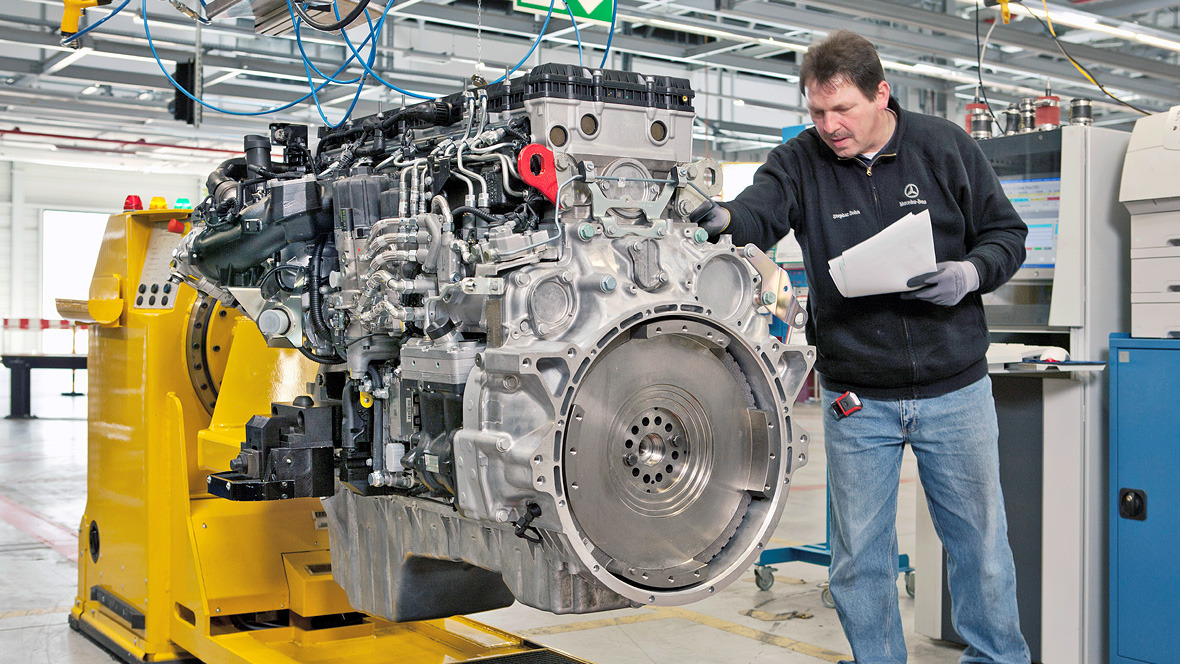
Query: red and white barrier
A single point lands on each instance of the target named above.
(41, 324)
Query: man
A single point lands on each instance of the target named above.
(916, 359)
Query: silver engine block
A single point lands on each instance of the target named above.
(550, 386)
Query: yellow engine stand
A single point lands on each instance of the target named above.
(167, 571)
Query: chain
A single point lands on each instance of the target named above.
(478, 34)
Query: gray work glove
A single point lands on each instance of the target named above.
(947, 286)
(711, 217)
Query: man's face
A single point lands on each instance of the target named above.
(846, 120)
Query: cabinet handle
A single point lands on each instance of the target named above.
(1133, 504)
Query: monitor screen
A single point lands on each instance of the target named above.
(1038, 202)
(1029, 168)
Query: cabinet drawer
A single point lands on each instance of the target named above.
(1158, 229)
(1155, 320)
(1155, 275)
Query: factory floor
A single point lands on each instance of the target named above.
(43, 493)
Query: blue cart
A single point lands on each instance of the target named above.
(816, 554)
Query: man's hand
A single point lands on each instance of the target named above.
(711, 217)
(947, 286)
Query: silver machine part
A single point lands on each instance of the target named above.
(1028, 114)
(1081, 111)
(981, 124)
(624, 435)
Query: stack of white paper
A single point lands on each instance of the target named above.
(889, 259)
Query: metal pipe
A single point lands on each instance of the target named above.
(483, 185)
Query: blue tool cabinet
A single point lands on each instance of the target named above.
(1144, 500)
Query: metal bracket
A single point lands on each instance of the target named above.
(241, 487)
(253, 304)
(777, 292)
(119, 606)
(600, 204)
(482, 286)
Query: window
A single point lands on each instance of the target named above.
(69, 249)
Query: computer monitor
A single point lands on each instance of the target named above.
(1029, 168)
(1038, 202)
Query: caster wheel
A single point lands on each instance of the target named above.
(910, 584)
(826, 597)
(764, 577)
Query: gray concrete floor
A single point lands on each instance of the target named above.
(43, 494)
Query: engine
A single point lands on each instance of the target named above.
(539, 380)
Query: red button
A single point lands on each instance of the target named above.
(176, 226)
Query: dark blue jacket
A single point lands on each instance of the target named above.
(881, 345)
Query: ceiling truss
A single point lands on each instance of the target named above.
(740, 54)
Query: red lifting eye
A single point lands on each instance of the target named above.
(536, 168)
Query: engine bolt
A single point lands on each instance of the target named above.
(685, 206)
(661, 231)
(768, 298)
(520, 279)
(701, 236)
(631, 459)
(608, 284)
(586, 232)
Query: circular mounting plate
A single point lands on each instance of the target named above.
(659, 456)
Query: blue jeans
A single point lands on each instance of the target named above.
(954, 438)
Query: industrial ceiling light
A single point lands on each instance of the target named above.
(428, 58)
(1157, 41)
(786, 46)
(920, 68)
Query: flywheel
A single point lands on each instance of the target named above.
(665, 450)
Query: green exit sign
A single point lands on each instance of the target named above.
(596, 11)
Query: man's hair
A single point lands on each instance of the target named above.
(843, 55)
